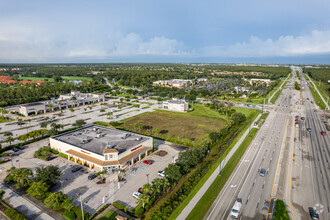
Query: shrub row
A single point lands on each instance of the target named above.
(14, 215)
(99, 211)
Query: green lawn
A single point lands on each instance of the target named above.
(5, 120)
(211, 194)
(193, 126)
(322, 87)
(280, 211)
(77, 78)
(110, 215)
(317, 97)
(36, 78)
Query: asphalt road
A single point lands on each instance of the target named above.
(246, 183)
(311, 169)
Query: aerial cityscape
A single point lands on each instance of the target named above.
(117, 110)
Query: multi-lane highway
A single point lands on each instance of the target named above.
(297, 163)
(311, 169)
(246, 183)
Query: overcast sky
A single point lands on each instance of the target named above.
(260, 31)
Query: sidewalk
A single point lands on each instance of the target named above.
(28, 208)
(186, 211)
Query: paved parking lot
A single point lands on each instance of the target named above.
(94, 194)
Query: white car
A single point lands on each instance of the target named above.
(136, 194)
(161, 173)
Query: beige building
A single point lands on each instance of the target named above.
(32, 109)
(176, 105)
(102, 147)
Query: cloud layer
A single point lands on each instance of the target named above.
(317, 42)
(24, 43)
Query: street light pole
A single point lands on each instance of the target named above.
(147, 178)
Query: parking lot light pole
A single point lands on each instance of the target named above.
(147, 178)
(82, 208)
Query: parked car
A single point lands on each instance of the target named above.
(136, 194)
(161, 173)
(147, 162)
(323, 133)
(15, 149)
(313, 213)
(50, 158)
(92, 176)
(75, 168)
(21, 147)
(262, 172)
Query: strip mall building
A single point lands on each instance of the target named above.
(102, 148)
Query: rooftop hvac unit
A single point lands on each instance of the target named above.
(86, 140)
(110, 146)
(95, 129)
(100, 135)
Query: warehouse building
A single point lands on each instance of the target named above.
(102, 148)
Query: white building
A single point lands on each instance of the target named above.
(176, 105)
(102, 147)
(32, 109)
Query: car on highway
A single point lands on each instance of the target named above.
(302, 118)
(92, 176)
(323, 133)
(75, 168)
(136, 194)
(262, 172)
(149, 162)
(309, 129)
(313, 213)
(236, 208)
(297, 124)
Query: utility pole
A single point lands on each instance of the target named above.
(82, 208)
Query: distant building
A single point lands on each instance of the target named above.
(32, 109)
(267, 81)
(178, 83)
(176, 105)
(73, 99)
(102, 147)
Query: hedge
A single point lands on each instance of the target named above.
(70, 215)
(99, 211)
(14, 215)
(63, 155)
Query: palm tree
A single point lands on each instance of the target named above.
(43, 125)
(166, 185)
(143, 199)
(147, 188)
(9, 139)
(22, 176)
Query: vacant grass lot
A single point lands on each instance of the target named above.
(193, 126)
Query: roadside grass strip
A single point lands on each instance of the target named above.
(211, 194)
(280, 211)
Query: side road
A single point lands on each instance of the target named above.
(31, 209)
(186, 211)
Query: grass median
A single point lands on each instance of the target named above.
(211, 194)
(280, 211)
(193, 192)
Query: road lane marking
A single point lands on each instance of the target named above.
(291, 174)
(278, 162)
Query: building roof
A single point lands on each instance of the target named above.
(179, 101)
(33, 104)
(96, 139)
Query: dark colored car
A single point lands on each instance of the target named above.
(309, 129)
(302, 118)
(15, 149)
(21, 147)
(92, 176)
(75, 168)
(50, 158)
(140, 190)
(147, 162)
(313, 213)
(323, 133)
(262, 172)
